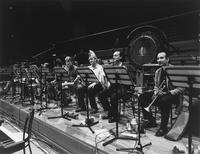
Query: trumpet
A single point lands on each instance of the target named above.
(155, 97)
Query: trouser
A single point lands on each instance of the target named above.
(118, 92)
(115, 93)
(163, 102)
(80, 93)
(103, 98)
(92, 92)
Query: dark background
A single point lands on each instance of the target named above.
(31, 27)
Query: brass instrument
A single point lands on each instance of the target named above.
(155, 97)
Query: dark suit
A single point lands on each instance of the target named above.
(164, 102)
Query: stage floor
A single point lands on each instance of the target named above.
(69, 139)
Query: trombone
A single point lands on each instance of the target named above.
(160, 89)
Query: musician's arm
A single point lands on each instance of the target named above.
(103, 80)
(107, 83)
(92, 85)
(156, 87)
(155, 90)
(37, 81)
(177, 91)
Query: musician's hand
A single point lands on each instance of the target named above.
(64, 83)
(161, 93)
(23, 79)
(53, 81)
(92, 85)
(155, 92)
(164, 93)
(16, 79)
(174, 92)
(78, 77)
(65, 87)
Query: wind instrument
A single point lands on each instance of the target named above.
(155, 97)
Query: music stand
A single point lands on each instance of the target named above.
(7, 71)
(62, 74)
(87, 76)
(23, 77)
(15, 83)
(17, 76)
(43, 85)
(31, 74)
(117, 75)
(187, 77)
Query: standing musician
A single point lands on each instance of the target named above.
(112, 106)
(163, 96)
(74, 83)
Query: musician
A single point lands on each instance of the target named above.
(58, 63)
(95, 87)
(75, 83)
(12, 82)
(53, 88)
(112, 106)
(165, 94)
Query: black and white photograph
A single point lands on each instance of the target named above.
(100, 77)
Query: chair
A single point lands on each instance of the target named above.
(14, 147)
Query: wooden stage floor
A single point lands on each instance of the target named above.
(80, 140)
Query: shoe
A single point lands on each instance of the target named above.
(93, 111)
(176, 150)
(161, 132)
(112, 119)
(150, 124)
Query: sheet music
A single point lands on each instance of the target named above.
(86, 72)
(123, 76)
(60, 71)
(5, 71)
(180, 75)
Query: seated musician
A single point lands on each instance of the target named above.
(53, 88)
(112, 106)
(164, 96)
(12, 83)
(95, 87)
(74, 83)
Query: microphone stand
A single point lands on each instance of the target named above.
(139, 146)
(22, 96)
(30, 79)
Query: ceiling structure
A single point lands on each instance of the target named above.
(38, 28)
